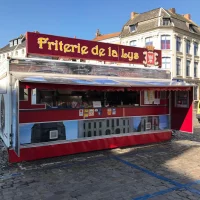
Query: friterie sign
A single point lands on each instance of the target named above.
(56, 46)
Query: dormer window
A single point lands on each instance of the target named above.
(132, 28)
(166, 21)
(11, 43)
(191, 28)
(15, 42)
(19, 41)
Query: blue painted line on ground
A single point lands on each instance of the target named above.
(148, 172)
(162, 192)
(178, 185)
(195, 191)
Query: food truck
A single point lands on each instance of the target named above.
(51, 107)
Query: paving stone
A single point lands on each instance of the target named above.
(85, 177)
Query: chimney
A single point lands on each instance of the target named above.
(187, 16)
(172, 10)
(133, 15)
(98, 33)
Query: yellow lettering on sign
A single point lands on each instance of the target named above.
(130, 55)
(109, 51)
(102, 52)
(73, 47)
(67, 48)
(114, 53)
(42, 41)
(78, 48)
(50, 44)
(56, 45)
(84, 50)
(95, 50)
(61, 46)
(136, 56)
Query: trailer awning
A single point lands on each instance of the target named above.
(35, 80)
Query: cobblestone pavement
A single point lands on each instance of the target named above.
(169, 170)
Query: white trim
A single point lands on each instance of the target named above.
(166, 12)
(159, 19)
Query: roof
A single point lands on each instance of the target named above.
(7, 48)
(150, 20)
(106, 36)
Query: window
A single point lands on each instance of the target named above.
(188, 68)
(149, 41)
(132, 28)
(133, 43)
(178, 67)
(195, 92)
(16, 53)
(15, 42)
(182, 99)
(4, 55)
(166, 21)
(23, 51)
(165, 42)
(19, 41)
(187, 46)
(11, 43)
(196, 69)
(178, 44)
(195, 48)
(191, 28)
(166, 62)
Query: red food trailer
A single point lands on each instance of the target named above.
(52, 108)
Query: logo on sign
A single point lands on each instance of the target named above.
(150, 57)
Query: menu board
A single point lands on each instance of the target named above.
(149, 96)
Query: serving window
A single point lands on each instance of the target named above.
(84, 99)
(182, 99)
(152, 97)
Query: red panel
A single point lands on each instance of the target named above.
(27, 104)
(34, 153)
(146, 110)
(37, 44)
(27, 116)
(182, 118)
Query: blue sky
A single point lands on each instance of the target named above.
(79, 18)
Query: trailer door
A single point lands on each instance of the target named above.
(182, 110)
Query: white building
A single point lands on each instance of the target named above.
(176, 35)
(16, 48)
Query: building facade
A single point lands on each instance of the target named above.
(176, 35)
(16, 48)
